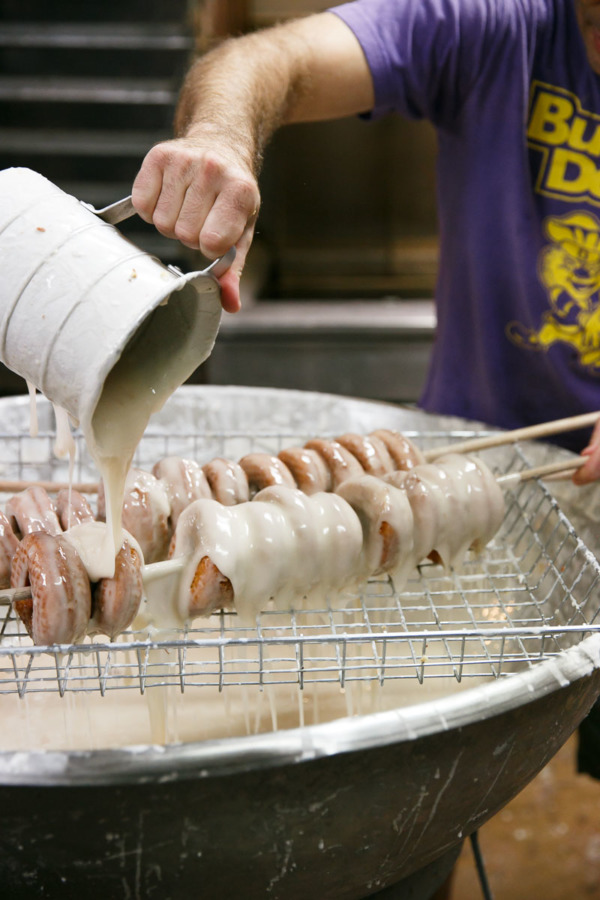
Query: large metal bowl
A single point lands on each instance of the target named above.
(338, 811)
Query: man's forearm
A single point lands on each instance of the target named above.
(246, 88)
(240, 95)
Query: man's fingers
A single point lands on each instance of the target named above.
(146, 188)
(230, 281)
(203, 199)
(168, 207)
(235, 210)
(230, 291)
(196, 204)
(590, 470)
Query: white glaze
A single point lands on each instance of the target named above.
(33, 416)
(184, 482)
(378, 504)
(146, 511)
(282, 547)
(89, 541)
(227, 481)
(457, 504)
(64, 445)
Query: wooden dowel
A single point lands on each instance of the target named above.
(161, 569)
(151, 572)
(556, 468)
(531, 432)
(13, 595)
(51, 487)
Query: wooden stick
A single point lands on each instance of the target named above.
(563, 467)
(151, 572)
(529, 433)
(51, 487)
(161, 569)
(13, 595)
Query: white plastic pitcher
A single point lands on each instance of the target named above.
(76, 297)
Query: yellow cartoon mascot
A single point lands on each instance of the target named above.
(569, 269)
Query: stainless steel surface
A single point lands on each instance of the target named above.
(340, 809)
(375, 349)
(416, 319)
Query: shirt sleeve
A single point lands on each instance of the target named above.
(425, 55)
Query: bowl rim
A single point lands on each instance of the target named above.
(158, 764)
(149, 763)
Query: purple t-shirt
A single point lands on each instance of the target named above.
(516, 106)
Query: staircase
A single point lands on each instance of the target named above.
(86, 89)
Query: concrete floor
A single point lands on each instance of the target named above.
(545, 845)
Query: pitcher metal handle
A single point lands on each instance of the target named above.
(124, 209)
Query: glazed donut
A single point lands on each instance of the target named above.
(309, 469)
(387, 522)
(405, 455)
(32, 510)
(341, 463)
(60, 606)
(227, 481)
(146, 512)
(116, 600)
(8, 546)
(184, 482)
(263, 470)
(72, 508)
(209, 589)
(371, 452)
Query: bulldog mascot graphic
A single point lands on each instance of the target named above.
(569, 269)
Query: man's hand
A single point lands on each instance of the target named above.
(201, 188)
(205, 198)
(590, 470)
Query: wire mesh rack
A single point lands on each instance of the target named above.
(533, 593)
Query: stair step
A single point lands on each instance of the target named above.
(132, 91)
(94, 36)
(67, 142)
(167, 11)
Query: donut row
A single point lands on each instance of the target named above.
(298, 550)
(284, 546)
(153, 501)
